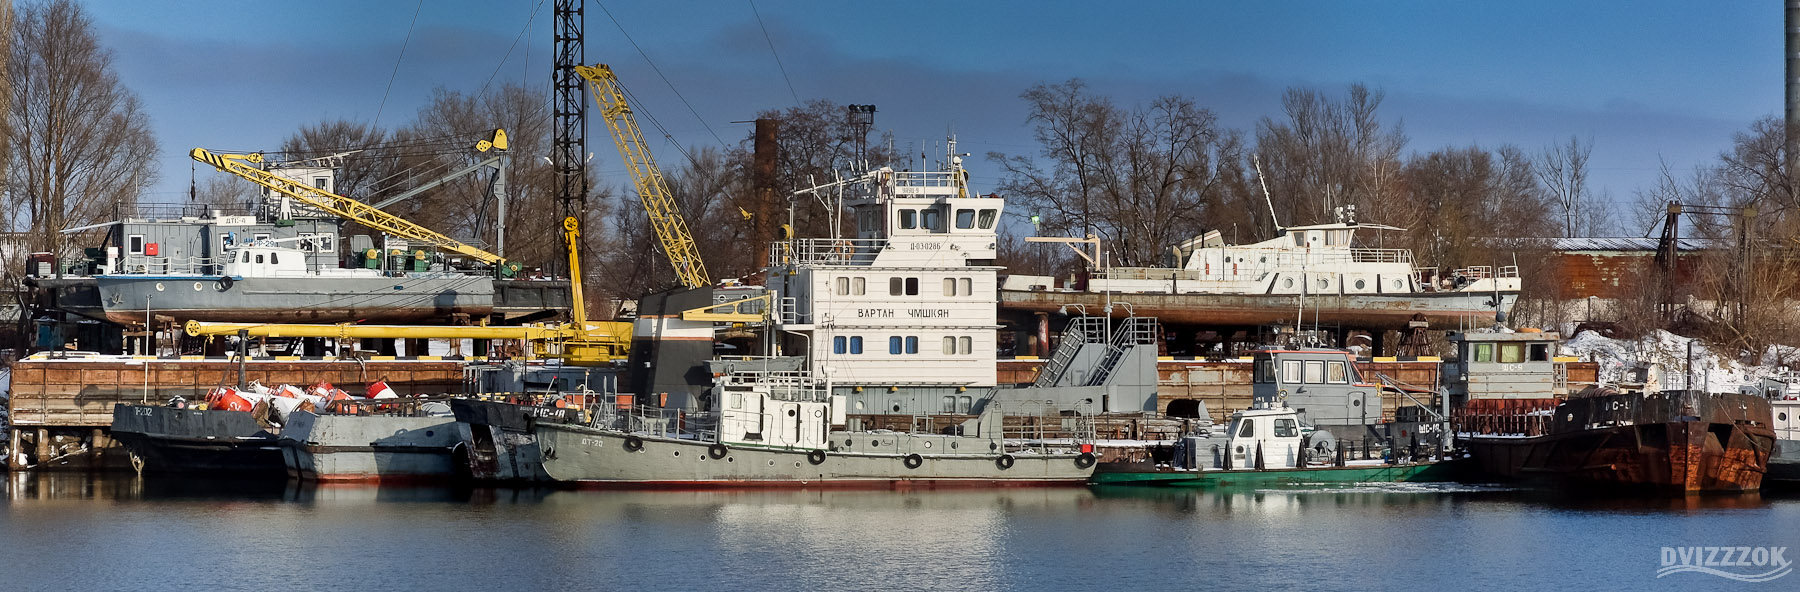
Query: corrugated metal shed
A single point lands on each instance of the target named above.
(1630, 243)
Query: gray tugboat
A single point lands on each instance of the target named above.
(897, 321)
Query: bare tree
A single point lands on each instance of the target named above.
(1562, 170)
(366, 160)
(75, 130)
(1140, 179)
(1329, 153)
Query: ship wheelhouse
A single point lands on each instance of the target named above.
(902, 317)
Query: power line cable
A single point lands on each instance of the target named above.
(397, 60)
(659, 74)
(771, 42)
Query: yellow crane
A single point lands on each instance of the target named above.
(579, 342)
(350, 209)
(671, 229)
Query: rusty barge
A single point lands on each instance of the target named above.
(1519, 422)
(1678, 441)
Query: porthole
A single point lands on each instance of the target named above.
(1781, 416)
(1360, 285)
(159, 286)
(1263, 259)
(771, 463)
(953, 446)
(859, 405)
(1399, 285)
(790, 413)
(1240, 450)
(874, 443)
(1324, 283)
(1356, 403)
(896, 408)
(678, 453)
(1287, 283)
(927, 443)
(196, 286)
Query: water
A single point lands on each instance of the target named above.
(119, 532)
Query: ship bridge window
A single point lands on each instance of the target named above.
(1290, 371)
(1337, 373)
(868, 220)
(987, 219)
(1315, 372)
(1265, 371)
(1285, 428)
(259, 258)
(246, 258)
(894, 345)
(858, 286)
(1484, 352)
(1512, 353)
(272, 259)
(909, 219)
(134, 244)
(1540, 352)
(843, 288)
(912, 345)
(1248, 430)
(839, 345)
(965, 219)
(932, 219)
(856, 344)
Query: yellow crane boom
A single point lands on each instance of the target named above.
(671, 229)
(348, 209)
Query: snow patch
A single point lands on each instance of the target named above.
(1667, 355)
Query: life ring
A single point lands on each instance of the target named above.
(913, 461)
(816, 457)
(717, 451)
(633, 443)
(1004, 462)
(1084, 460)
(225, 283)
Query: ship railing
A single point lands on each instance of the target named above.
(1381, 256)
(664, 422)
(782, 385)
(790, 313)
(826, 251)
(927, 179)
(1488, 271)
(149, 265)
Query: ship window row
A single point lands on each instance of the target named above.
(1304, 372)
(1511, 353)
(903, 345)
(932, 219)
(901, 286)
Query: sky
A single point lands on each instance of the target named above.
(1647, 82)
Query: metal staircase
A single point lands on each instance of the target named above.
(1134, 331)
(1079, 333)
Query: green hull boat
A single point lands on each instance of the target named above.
(1141, 474)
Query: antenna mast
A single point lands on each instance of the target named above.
(1266, 197)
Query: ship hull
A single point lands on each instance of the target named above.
(1674, 441)
(1392, 311)
(1784, 467)
(1144, 474)
(591, 457)
(371, 448)
(214, 442)
(319, 299)
(498, 442)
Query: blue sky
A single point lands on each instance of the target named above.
(1647, 81)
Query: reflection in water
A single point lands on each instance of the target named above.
(77, 531)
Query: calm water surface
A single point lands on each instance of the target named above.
(120, 532)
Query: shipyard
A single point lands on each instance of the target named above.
(590, 295)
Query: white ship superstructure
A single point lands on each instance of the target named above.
(901, 317)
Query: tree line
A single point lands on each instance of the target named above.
(1141, 177)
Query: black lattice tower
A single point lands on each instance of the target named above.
(569, 156)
